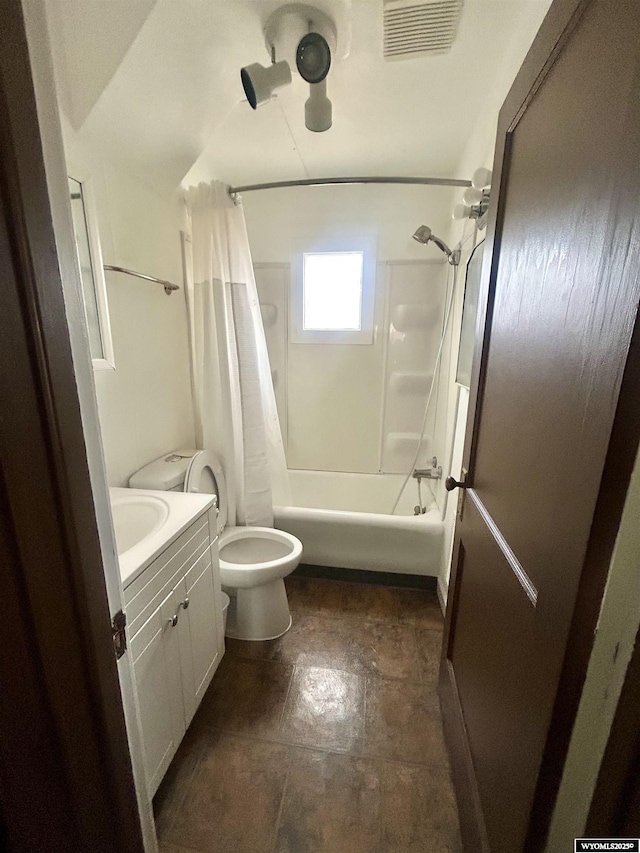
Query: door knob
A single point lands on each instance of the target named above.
(450, 484)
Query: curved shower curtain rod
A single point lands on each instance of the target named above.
(320, 182)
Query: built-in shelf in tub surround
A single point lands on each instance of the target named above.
(404, 440)
(269, 313)
(173, 604)
(415, 315)
(400, 449)
(409, 382)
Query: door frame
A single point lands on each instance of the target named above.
(558, 25)
(66, 777)
(615, 806)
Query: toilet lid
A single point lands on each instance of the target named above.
(205, 477)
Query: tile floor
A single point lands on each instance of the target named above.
(327, 740)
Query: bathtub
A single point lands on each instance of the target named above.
(344, 520)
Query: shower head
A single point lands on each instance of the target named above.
(425, 235)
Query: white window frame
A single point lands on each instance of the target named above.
(362, 336)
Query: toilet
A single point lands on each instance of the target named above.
(253, 560)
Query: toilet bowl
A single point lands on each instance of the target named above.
(253, 560)
(253, 564)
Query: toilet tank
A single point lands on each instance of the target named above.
(165, 474)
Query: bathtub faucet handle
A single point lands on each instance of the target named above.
(433, 473)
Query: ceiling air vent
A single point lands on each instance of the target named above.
(414, 29)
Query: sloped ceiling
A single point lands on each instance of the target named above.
(88, 42)
(156, 85)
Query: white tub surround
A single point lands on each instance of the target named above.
(370, 538)
(354, 492)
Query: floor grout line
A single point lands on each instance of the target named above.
(424, 591)
(418, 657)
(377, 756)
(174, 811)
(362, 673)
(343, 616)
(282, 799)
(286, 698)
(364, 714)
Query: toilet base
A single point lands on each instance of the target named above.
(259, 612)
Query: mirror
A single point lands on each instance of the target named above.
(469, 314)
(94, 289)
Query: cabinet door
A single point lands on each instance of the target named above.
(200, 645)
(156, 665)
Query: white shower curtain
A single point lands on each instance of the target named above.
(235, 405)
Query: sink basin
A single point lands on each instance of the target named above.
(136, 517)
(146, 522)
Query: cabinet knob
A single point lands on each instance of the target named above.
(184, 604)
(174, 619)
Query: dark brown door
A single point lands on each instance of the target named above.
(562, 292)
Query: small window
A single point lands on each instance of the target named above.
(332, 292)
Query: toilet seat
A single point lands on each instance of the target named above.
(256, 555)
(205, 476)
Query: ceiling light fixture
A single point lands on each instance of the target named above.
(260, 83)
(300, 35)
(475, 199)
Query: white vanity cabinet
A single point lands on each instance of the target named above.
(174, 612)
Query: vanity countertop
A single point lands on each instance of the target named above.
(165, 514)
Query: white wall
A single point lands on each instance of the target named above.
(144, 404)
(283, 220)
(335, 401)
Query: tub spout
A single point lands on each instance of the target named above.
(433, 473)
